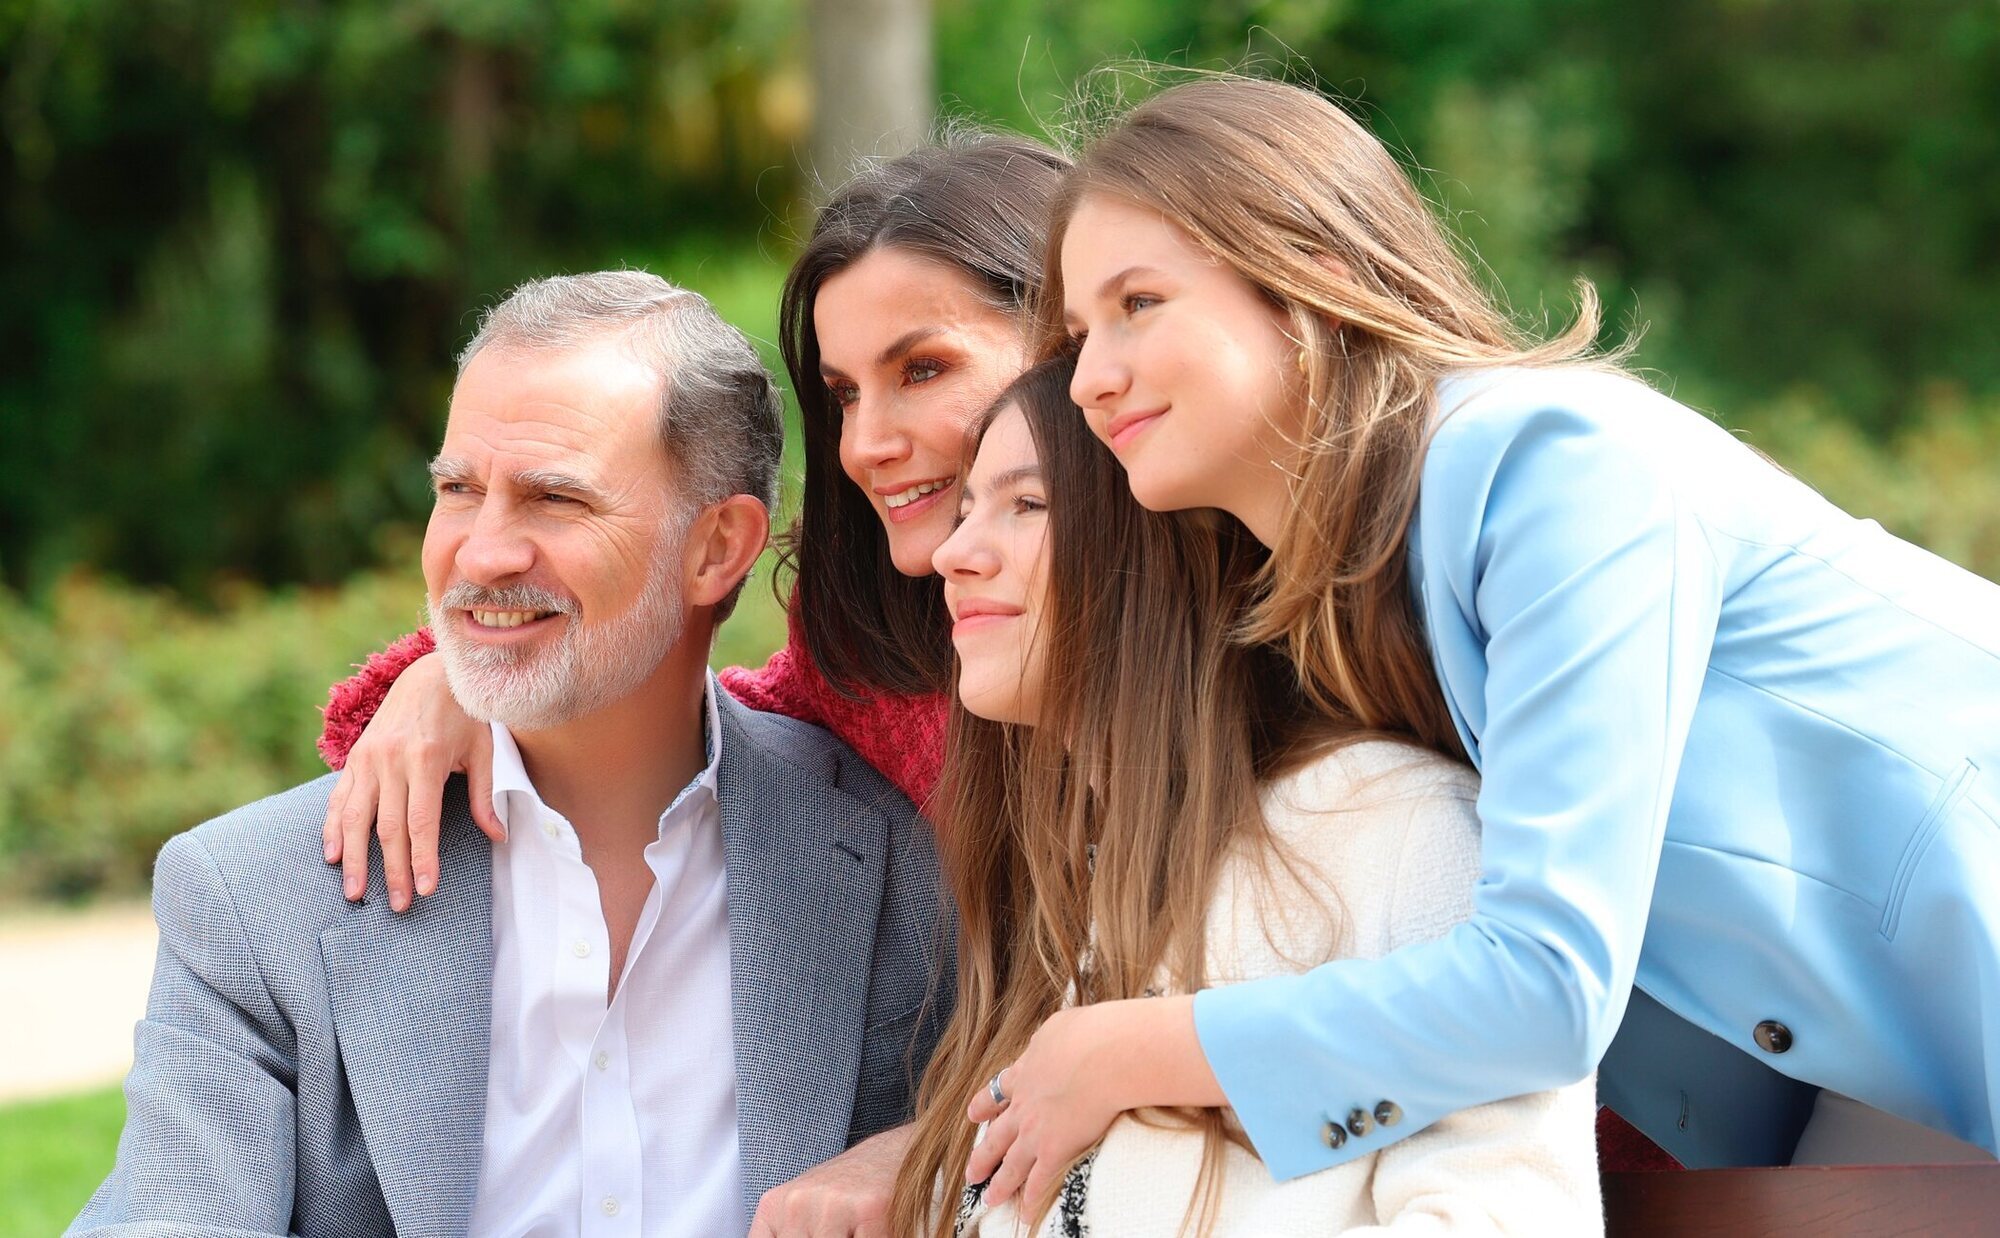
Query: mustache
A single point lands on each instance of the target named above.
(467, 596)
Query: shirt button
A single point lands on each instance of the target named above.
(1773, 1036)
(602, 1061)
(610, 1206)
(1388, 1112)
(1334, 1135)
(550, 828)
(580, 949)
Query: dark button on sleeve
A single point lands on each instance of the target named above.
(1359, 1123)
(1334, 1134)
(1388, 1112)
(1773, 1036)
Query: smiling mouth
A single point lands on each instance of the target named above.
(917, 501)
(904, 498)
(1124, 429)
(503, 619)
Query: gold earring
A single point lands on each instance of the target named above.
(1305, 360)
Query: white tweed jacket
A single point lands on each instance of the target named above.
(1377, 846)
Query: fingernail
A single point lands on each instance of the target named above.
(352, 889)
(426, 884)
(331, 855)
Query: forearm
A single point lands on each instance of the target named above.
(1526, 1164)
(354, 700)
(1428, 1030)
(1151, 1056)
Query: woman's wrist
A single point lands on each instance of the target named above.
(1153, 1056)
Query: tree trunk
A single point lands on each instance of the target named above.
(872, 81)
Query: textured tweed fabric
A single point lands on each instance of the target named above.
(312, 1066)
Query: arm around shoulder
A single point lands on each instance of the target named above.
(353, 701)
(1577, 600)
(1523, 1165)
(209, 1127)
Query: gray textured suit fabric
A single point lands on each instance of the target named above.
(312, 1066)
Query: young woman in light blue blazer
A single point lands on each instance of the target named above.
(1740, 751)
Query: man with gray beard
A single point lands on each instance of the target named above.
(700, 961)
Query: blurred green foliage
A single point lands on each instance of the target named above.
(131, 716)
(240, 243)
(243, 241)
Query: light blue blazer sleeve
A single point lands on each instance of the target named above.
(1593, 597)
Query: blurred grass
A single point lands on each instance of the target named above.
(53, 1153)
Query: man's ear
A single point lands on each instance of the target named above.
(725, 541)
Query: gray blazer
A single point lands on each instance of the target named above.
(312, 1066)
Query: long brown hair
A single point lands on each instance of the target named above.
(1082, 851)
(1304, 203)
(974, 202)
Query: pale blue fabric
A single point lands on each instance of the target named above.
(311, 1066)
(1737, 747)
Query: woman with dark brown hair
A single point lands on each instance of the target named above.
(1136, 804)
(901, 318)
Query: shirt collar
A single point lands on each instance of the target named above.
(514, 793)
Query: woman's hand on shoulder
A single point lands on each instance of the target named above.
(394, 782)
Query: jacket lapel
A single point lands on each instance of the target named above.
(411, 997)
(804, 866)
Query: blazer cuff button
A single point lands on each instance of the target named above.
(1388, 1112)
(1772, 1036)
(1334, 1135)
(1359, 1123)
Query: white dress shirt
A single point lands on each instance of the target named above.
(615, 1119)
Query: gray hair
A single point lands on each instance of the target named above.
(720, 414)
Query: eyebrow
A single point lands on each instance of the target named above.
(449, 468)
(445, 469)
(897, 348)
(906, 341)
(1106, 288)
(1012, 477)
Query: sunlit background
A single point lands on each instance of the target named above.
(242, 242)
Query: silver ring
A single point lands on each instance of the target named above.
(993, 1088)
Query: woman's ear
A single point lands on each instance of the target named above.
(725, 541)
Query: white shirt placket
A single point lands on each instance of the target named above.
(580, 950)
(576, 1153)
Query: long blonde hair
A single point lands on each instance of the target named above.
(1083, 851)
(1304, 203)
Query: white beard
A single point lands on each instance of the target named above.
(585, 668)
